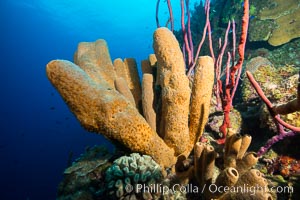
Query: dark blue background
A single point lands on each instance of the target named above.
(37, 129)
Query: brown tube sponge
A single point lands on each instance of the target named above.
(204, 160)
(175, 90)
(246, 141)
(248, 161)
(208, 163)
(102, 109)
(198, 156)
(200, 99)
(227, 178)
(153, 64)
(253, 177)
(250, 186)
(94, 59)
(152, 60)
(122, 87)
(128, 71)
(146, 67)
(120, 69)
(134, 81)
(147, 100)
(233, 145)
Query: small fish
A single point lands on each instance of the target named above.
(208, 32)
(52, 108)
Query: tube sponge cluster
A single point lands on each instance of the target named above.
(152, 116)
(162, 117)
(236, 173)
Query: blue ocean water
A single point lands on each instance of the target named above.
(37, 129)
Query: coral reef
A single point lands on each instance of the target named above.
(284, 165)
(286, 54)
(162, 117)
(215, 121)
(279, 84)
(281, 21)
(84, 177)
(96, 174)
(110, 110)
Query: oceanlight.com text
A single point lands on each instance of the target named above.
(212, 188)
